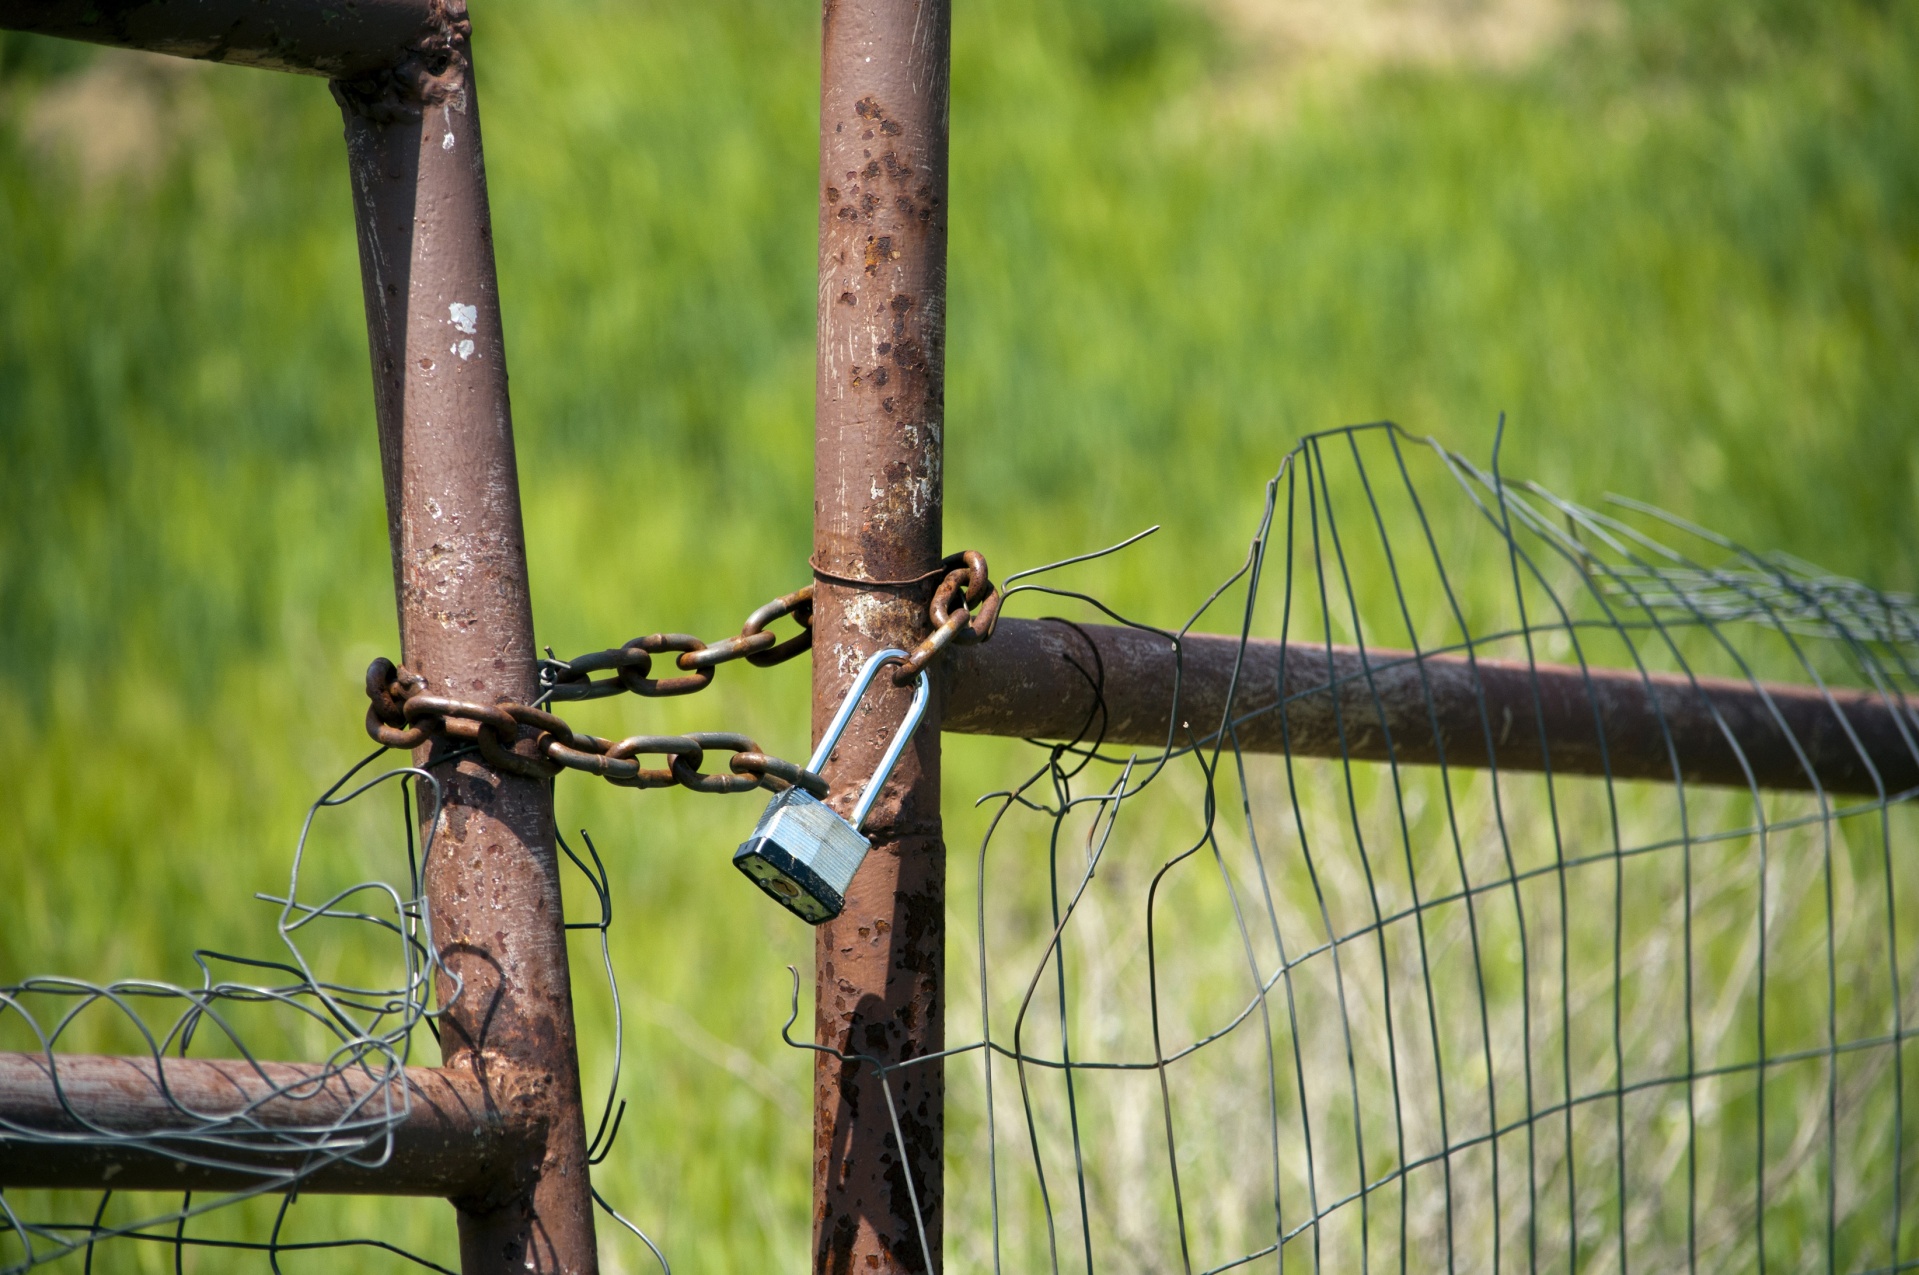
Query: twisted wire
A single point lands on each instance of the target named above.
(372, 1028)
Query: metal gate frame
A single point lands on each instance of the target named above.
(498, 1127)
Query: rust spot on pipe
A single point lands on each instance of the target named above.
(877, 502)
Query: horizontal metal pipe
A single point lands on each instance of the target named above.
(350, 38)
(242, 1125)
(1038, 679)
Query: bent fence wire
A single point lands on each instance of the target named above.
(370, 1030)
(1242, 1011)
(1269, 1012)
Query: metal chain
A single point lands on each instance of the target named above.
(964, 610)
(526, 739)
(630, 664)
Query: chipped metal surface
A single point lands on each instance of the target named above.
(466, 624)
(877, 515)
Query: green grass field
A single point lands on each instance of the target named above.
(1676, 243)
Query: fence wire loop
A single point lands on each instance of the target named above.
(371, 1027)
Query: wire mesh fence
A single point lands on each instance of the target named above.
(1239, 1011)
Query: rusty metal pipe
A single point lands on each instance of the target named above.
(880, 417)
(466, 621)
(355, 37)
(402, 72)
(1036, 679)
(451, 1138)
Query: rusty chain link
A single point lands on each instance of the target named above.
(528, 740)
(630, 664)
(964, 610)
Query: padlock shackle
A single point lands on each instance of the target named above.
(922, 691)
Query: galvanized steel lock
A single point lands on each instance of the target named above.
(802, 853)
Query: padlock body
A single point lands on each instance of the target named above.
(803, 855)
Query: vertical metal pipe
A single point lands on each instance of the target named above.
(466, 625)
(880, 419)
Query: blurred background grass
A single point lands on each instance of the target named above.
(1678, 243)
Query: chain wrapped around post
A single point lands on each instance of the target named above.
(526, 739)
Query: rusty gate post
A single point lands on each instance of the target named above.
(880, 417)
(466, 625)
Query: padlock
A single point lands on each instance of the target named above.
(802, 853)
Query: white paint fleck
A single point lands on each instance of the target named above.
(846, 657)
(465, 350)
(465, 317)
(433, 507)
(446, 143)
